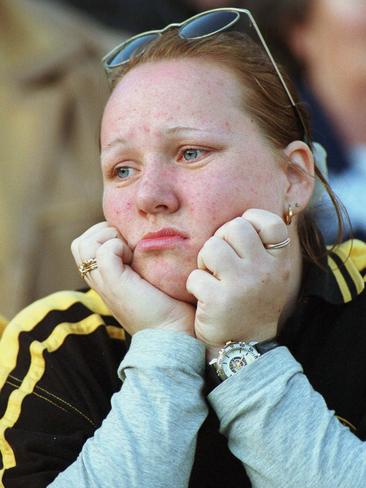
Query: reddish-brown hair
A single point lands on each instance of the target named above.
(264, 99)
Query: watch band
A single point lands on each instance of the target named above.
(265, 346)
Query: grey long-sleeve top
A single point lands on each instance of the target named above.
(148, 439)
(276, 424)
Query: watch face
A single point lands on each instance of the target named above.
(233, 357)
(236, 363)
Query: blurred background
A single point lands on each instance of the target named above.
(53, 91)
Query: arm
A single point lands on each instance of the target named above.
(276, 424)
(58, 372)
(282, 430)
(149, 437)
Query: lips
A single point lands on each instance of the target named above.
(162, 239)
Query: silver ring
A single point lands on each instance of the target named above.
(279, 245)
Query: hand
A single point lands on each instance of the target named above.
(240, 286)
(134, 302)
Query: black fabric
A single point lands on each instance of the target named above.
(330, 341)
(73, 396)
(214, 465)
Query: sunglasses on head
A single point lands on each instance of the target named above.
(203, 25)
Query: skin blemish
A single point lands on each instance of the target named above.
(195, 200)
(227, 126)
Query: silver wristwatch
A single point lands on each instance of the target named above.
(235, 355)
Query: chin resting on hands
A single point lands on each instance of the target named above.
(241, 287)
(134, 302)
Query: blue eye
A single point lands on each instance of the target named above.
(191, 154)
(124, 172)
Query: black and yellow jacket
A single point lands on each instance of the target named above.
(59, 357)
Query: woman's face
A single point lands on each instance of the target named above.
(179, 159)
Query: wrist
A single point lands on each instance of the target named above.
(213, 352)
(256, 334)
(236, 355)
(184, 329)
(166, 350)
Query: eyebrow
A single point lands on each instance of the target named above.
(172, 130)
(175, 130)
(116, 142)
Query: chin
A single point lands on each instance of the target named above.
(170, 278)
(178, 292)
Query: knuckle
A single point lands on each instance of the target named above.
(209, 244)
(276, 225)
(240, 226)
(191, 282)
(222, 230)
(110, 243)
(254, 213)
(213, 240)
(233, 226)
(193, 276)
(239, 222)
(100, 252)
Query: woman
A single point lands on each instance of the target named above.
(207, 240)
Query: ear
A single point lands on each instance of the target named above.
(300, 174)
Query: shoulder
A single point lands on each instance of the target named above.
(58, 371)
(61, 308)
(57, 322)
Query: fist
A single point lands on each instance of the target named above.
(135, 303)
(241, 286)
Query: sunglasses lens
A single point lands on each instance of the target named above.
(127, 50)
(207, 24)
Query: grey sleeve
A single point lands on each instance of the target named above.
(148, 439)
(282, 430)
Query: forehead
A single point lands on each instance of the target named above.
(183, 72)
(184, 88)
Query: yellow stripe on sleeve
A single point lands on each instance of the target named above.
(31, 316)
(34, 374)
(340, 280)
(353, 255)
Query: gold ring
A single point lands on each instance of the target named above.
(279, 245)
(87, 266)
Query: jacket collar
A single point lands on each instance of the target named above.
(343, 277)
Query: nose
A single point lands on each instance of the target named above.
(156, 191)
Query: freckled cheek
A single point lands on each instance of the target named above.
(117, 211)
(217, 204)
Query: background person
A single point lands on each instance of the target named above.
(323, 42)
(52, 94)
(207, 239)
